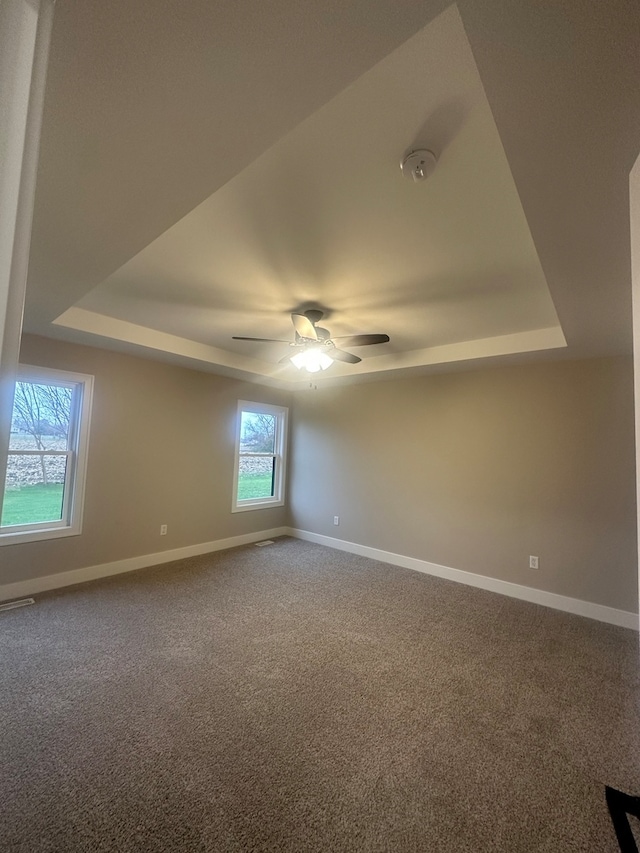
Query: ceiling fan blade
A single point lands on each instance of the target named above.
(341, 355)
(304, 327)
(264, 340)
(362, 340)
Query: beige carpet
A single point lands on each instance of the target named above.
(295, 698)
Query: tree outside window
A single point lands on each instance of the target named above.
(260, 447)
(47, 451)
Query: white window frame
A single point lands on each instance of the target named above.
(73, 497)
(279, 457)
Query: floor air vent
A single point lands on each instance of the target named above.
(11, 605)
(263, 543)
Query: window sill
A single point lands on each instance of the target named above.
(18, 537)
(249, 505)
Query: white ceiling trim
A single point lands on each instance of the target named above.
(92, 323)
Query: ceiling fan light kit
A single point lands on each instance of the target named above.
(418, 165)
(312, 360)
(315, 348)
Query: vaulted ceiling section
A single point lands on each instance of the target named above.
(209, 167)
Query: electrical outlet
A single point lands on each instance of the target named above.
(163, 530)
(533, 563)
(336, 520)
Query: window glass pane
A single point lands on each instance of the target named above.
(256, 477)
(41, 417)
(257, 433)
(34, 489)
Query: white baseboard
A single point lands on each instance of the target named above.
(20, 589)
(600, 612)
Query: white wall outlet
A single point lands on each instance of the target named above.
(163, 530)
(533, 563)
(336, 520)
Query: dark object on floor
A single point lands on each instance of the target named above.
(620, 806)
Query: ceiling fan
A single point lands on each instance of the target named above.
(315, 349)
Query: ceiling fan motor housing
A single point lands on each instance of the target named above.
(314, 315)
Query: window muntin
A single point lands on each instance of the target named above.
(260, 456)
(44, 482)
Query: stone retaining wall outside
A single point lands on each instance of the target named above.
(27, 470)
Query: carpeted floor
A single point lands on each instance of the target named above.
(294, 698)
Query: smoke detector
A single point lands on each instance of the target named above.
(418, 165)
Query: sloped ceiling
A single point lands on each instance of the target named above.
(207, 168)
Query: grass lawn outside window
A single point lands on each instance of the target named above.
(30, 504)
(43, 490)
(261, 439)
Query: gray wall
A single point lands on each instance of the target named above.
(478, 470)
(161, 450)
(472, 470)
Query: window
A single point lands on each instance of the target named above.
(261, 437)
(44, 484)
